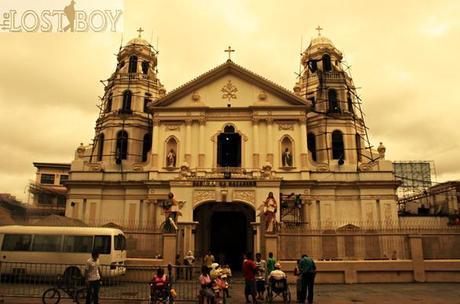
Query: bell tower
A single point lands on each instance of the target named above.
(123, 133)
(337, 135)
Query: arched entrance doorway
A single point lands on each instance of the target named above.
(229, 148)
(225, 229)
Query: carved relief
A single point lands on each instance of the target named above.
(283, 125)
(262, 96)
(203, 195)
(387, 213)
(366, 166)
(172, 127)
(267, 172)
(138, 167)
(322, 167)
(245, 195)
(229, 91)
(96, 167)
(196, 96)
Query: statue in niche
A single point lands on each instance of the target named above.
(171, 158)
(287, 158)
(269, 211)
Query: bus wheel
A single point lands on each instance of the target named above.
(72, 275)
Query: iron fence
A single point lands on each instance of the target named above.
(31, 280)
(366, 241)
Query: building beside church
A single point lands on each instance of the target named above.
(222, 142)
(48, 190)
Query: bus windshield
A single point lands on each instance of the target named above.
(120, 242)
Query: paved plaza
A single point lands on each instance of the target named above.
(442, 293)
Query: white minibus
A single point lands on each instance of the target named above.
(49, 250)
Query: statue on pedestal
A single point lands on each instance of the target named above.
(172, 212)
(269, 211)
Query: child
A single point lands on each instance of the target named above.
(226, 275)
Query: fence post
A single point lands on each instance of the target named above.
(418, 263)
(169, 248)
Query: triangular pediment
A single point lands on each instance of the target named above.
(230, 84)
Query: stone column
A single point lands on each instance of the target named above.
(303, 143)
(201, 155)
(255, 149)
(270, 141)
(271, 245)
(188, 141)
(156, 144)
(418, 263)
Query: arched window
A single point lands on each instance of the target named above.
(229, 148)
(333, 103)
(312, 65)
(127, 96)
(122, 146)
(108, 105)
(287, 153)
(311, 143)
(338, 150)
(132, 64)
(350, 102)
(145, 67)
(171, 152)
(100, 148)
(147, 99)
(358, 146)
(327, 66)
(146, 146)
(229, 129)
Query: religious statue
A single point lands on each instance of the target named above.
(381, 149)
(269, 212)
(267, 172)
(171, 158)
(172, 211)
(287, 158)
(185, 171)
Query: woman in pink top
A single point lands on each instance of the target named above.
(206, 291)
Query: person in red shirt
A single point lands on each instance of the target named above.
(249, 274)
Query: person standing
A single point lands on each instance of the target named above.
(206, 292)
(307, 269)
(260, 276)
(93, 278)
(249, 274)
(208, 260)
(270, 262)
(189, 259)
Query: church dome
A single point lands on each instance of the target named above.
(319, 45)
(138, 41)
(321, 40)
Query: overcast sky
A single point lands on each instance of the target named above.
(403, 56)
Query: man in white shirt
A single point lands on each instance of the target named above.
(277, 274)
(93, 278)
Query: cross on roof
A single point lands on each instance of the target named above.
(140, 30)
(319, 29)
(229, 51)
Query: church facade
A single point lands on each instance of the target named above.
(222, 142)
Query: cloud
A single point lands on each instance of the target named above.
(402, 55)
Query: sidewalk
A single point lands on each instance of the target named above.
(410, 293)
